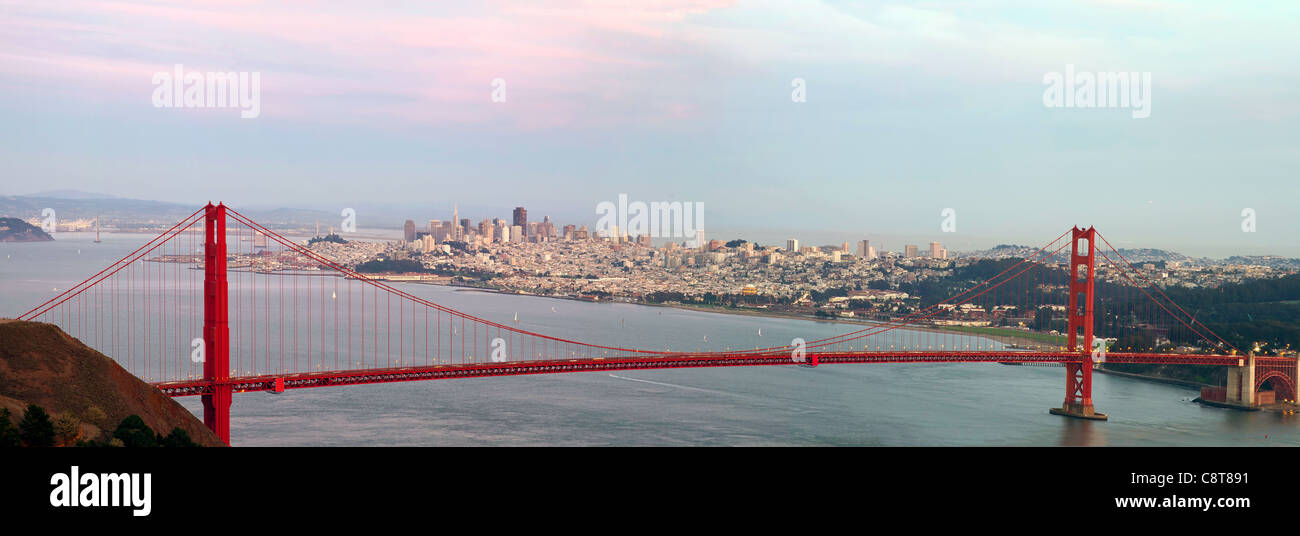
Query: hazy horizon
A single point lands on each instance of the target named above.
(883, 241)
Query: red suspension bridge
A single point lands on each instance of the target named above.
(219, 304)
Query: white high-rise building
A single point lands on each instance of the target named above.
(937, 251)
(864, 250)
(792, 246)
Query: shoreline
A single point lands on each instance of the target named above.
(1010, 342)
(1157, 379)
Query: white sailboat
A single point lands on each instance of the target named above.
(760, 332)
(516, 317)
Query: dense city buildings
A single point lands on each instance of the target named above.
(533, 258)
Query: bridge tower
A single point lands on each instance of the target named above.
(1078, 375)
(216, 326)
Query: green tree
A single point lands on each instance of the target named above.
(178, 438)
(1043, 319)
(133, 432)
(36, 429)
(8, 433)
(67, 429)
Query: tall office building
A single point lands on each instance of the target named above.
(464, 228)
(501, 233)
(792, 246)
(408, 231)
(521, 217)
(909, 252)
(455, 217)
(864, 249)
(937, 251)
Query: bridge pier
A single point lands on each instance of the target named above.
(1078, 392)
(1241, 383)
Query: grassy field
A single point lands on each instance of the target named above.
(1009, 333)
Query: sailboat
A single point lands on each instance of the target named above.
(516, 317)
(334, 295)
(760, 332)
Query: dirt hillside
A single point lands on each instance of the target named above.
(42, 365)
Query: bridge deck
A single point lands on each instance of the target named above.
(269, 382)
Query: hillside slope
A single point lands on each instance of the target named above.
(42, 365)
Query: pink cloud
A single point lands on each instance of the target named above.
(560, 62)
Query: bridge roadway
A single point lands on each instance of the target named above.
(281, 382)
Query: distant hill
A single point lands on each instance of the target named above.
(75, 205)
(1272, 261)
(71, 194)
(1152, 255)
(42, 365)
(72, 208)
(16, 230)
(1134, 255)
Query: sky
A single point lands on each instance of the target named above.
(403, 108)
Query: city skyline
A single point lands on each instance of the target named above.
(882, 241)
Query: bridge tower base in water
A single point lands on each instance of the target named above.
(1241, 383)
(216, 326)
(1078, 375)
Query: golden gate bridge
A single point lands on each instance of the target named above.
(296, 320)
